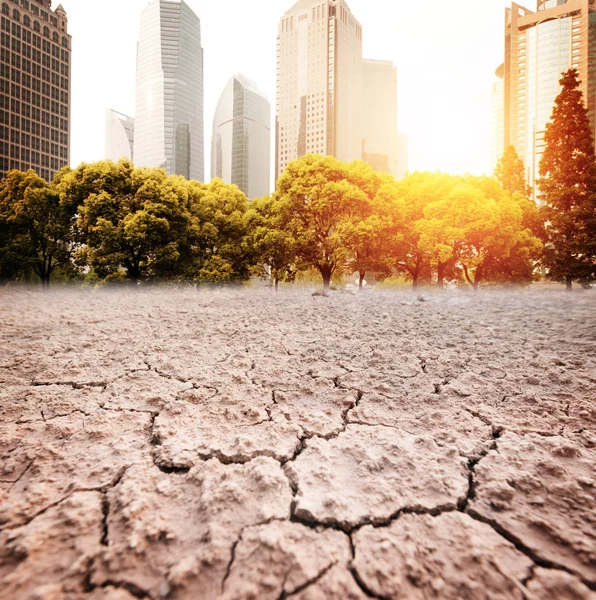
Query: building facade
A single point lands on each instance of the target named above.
(169, 129)
(119, 136)
(380, 143)
(35, 75)
(539, 47)
(319, 82)
(497, 119)
(241, 144)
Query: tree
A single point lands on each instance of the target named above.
(131, 219)
(414, 249)
(36, 227)
(511, 174)
(367, 232)
(317, 196)
(484, 223)
(568, 188)
(274, 247)
(219, 251)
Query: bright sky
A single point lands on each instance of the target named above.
(446, 54)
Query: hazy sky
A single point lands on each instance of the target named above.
(446, 54)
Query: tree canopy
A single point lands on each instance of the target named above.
(568, 188)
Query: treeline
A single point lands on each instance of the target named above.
(109, 221)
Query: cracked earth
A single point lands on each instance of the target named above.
(245, 445)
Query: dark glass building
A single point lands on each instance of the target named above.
(34, 87)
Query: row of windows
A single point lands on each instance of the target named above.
(8, 165)
(19, 137)
(30, 52)
(16, 15)
(35, 9)
(26, 125)
(28, 152)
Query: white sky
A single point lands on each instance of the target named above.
(446, 53)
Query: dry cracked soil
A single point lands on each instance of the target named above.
(250, 445)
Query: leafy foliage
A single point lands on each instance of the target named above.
(35, 227)
(568, 188)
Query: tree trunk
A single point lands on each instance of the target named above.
(475, 285)
(569, 283)
(45, 282)
(415, 281)
(326, 273)
(134, 279)
(441, 275)
(276, 284)
(361, 281)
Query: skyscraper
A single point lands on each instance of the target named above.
(379, 116)
(241, 145)
(169, 105)
(497, 119)
(119, 136)
(403, 155)
(319, 82)
(539, 46)
(34, 87)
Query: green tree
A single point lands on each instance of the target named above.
(274, 247)
(219, 251)
(568, 188)
(317, 196)
(131, 219)
(484, 223)
(35, 227)
(510, 172)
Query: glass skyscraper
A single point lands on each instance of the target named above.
(169, 104)
(539, 47)
(241, 145)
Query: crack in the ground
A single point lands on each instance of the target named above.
(103, 489)
(237, 541)
(525, 550)
(306, 584)
(13, 482)
(363, 586)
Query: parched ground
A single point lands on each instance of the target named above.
(247, 445)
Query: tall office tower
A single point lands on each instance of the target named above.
(34, 88)
(241, 144)
(497, 119)
(379, 115)
(539, 46)
(319, 82)
(169, 105)
(403, 159)
(119, 136)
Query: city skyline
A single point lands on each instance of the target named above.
(459, 121)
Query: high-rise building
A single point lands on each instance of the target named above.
(319, 82)
(539, 47)
(34, 87)
(497, 119)
(169, 105)
(119, 136)
(380, 142)
(241, 144)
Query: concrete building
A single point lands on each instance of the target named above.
(497, 119)
(169, 93)
(241, 144)
(34, 87)
(380, 144)
(119, 136)
(539, 46)
(319, 82)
